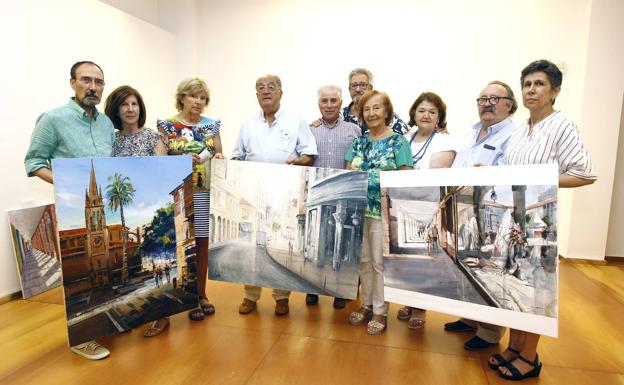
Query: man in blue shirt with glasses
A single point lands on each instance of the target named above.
(485, 145)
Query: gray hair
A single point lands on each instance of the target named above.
(275, 77)
(328, 88)
(361, 71)
(514, 103)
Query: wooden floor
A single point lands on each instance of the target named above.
(314, 345)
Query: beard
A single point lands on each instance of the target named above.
(90, 99)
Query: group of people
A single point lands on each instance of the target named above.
(159, 270)
(365, 135)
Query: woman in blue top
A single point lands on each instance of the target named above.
(381, 149)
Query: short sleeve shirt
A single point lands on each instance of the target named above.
(143, 143)
(184, 139)
(370, 155)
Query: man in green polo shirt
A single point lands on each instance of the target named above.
(75, 130)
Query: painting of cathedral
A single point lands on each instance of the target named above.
(117, 242)
(37, 258)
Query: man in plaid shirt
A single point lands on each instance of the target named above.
(333, 137)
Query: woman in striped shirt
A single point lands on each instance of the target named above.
(546, 137)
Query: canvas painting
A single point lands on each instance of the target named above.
(287, 227)
(117, 242)
(38, 261)
(479, 243)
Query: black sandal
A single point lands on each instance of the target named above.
(515, 373)
(196, 314)
(500, 360)
(206, 306)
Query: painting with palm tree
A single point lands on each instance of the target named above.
(117, 239)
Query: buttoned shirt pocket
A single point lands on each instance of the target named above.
(286, 141)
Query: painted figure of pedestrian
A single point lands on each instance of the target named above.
(159, 271)
(168, 271)
(434, 238)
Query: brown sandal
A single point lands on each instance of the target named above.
(360, 316)
(404, 313)
(156, 327)
(417, 319)
(377, 325)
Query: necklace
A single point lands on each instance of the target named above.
(186, 123)
(423, 149)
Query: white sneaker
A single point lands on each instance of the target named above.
(91, 350)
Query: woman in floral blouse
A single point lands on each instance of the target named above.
(125, 108)
(380, 149)
(191, 133)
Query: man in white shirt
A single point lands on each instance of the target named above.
(275, 136)
(485, 146)
(487, 141)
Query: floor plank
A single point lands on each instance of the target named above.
(313, 344)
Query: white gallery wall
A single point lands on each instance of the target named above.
(601, 112)
(451, 47)
(41, 40)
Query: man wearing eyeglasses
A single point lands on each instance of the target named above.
(486, 143)
(484, 146)
(360, 81)
(74, 130)
(273, 135)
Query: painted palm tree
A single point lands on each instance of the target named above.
(120, 193)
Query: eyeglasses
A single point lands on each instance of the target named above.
(355, 86)
(493, 99)
(87, 80)
(267, 87)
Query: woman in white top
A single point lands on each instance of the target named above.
(546, 137)
(430, 149)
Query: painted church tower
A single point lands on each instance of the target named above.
(97, 234)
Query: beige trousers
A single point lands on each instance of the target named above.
(371, 267)
(253, 293)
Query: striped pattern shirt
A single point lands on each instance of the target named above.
(333, 143)
(555, 139)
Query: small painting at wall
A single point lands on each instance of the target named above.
(480, 243)
(33, 232)
(117, 242)
(286, 227)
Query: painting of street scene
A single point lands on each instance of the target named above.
(490, 245)
(38, 261)
(117, 240)
(287, 227)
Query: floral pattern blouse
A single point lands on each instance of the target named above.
(182, 139)
(143, 143)
(374, 155)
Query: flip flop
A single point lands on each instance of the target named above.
(154, 330)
